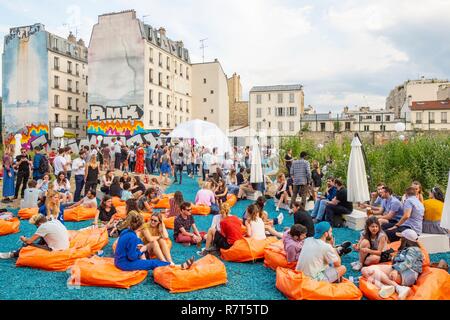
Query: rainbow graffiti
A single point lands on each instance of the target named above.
(29, 134)
(116, 128)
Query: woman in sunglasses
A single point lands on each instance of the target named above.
(154, 235)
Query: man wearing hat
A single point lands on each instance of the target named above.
(318, 258)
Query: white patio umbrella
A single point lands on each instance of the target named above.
(445, 220)
(357, 186)
(205, 133)
(256, 172)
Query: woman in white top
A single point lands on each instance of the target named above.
(228, 164)
(62, 186)
(255, 225)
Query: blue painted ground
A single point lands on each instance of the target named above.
(246, 281)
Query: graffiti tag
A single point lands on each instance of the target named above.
(133, 112)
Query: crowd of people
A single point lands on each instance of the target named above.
(45, 182)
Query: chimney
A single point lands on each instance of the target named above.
(162, 31)
(71, 38)
(81, 43)
(180, 44)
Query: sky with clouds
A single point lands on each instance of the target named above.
(348, 52)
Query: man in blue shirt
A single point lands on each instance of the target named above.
(320, 204)
(413, 211)
(391, 208)
(149, 158)
(36, 162)
(301, 176)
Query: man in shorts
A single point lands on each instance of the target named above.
(318, 258)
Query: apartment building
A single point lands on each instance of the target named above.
(428, 115)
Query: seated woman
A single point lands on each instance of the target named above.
(52, 207)
(154, 234)
(232, 183)
(115, 190)
(206, 197)
(434, 206)
(182, 227)
(62, 186)
(372, 245)
(138, 188)
(107, 181)
(146, 202)
(243, 189)
(404, 271)
(293, 241)
(221, 192)
(125, 178)
(255, 225)
(230, 231)
(42, 184)
(269, 223)
(283, 193)
(154, 183)
(174, 205)
(130, 251)
(105, 213)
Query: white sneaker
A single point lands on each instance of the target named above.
(403, 292)
(277, 209)
(357, 266)
(6, 255)
(280, 218)
(386, 291)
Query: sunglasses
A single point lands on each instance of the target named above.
(154, 220)
(190, 209)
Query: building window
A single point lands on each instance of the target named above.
(86, 97)
(151, 55)
(212, 111)
(418, 117)
(150, 97)
(160, 60)
(280, 126)
(212, 91)
(160, 119)
(168, 63)
(187, 107)
(168, 101)
(347, 126)
(77, 71)
(151, 117)
(160, 78)
(258, 112)
(69, 67)
(378, 118)
(181, 70)
(69, 103)
(205, 99)
(76, 104)
(280, 112)
(187, 73)
(56, 98)
(181, 104)
(56, 63)
(77, 89)
(56, 84)
(388, 118)
(269, 124)
(366, 128)
(258, 99)
(204, 80)
(292, 111)
(69, 85)
(168, 82)
(291, 98)
(382, 127)
(77, 122)
(269, 97)
(258, 126)
(150, 75)
(56, 117)
(443, 117)
(322, 126)
(86, 80)
(291, 125)
(269, 111)
(280, 98)
(55, 44)
(205, 118)
(168, 119)
(431, 116)
(69, 121)
(160, 99)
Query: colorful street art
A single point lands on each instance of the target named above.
(116, 128)
(32, 136)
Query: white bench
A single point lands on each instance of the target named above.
(253, 195)
(356, 220)
(435, 243)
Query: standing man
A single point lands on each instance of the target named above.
(78, 168)
(177, 160)
(23, 166)
(59, 164)
(38, 157)
(206, 162)
(149, 158)
(301, 176)
(117, 151)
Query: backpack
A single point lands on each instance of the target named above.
(43, 165)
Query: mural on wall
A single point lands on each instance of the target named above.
(116, 77)
(32, 136)
(25, 82)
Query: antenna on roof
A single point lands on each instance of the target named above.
(143, 18)
(69, 27)
(202, 41)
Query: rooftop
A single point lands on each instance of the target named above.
(431, 105)
(292, 87)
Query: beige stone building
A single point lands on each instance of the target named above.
(428, 115)
(210, 94)
(238, 107)
(413, 90)
(443, 92)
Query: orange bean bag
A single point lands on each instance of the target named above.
(121, 213)
(169, 222)
(231, 200)
(101, 272)
(426, 257)
(296, 286)
(162, 203)
(9, 226)
(200, 210)
(246, 249)
(27, 213)
(96, 238)
(79, 214)
(168, 241)
(275, 256)
(432, 284)
(206, 272)
(117, 202)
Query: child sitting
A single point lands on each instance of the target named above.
(293, 240)
(126, 193)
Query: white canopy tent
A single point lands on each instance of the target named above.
(205, 133)
(357, 186)
(445, 220)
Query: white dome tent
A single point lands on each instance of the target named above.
(205, 133)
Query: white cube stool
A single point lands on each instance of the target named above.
(356, 220)
(253, 195)
(435, 243)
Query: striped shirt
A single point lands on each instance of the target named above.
(300, 172)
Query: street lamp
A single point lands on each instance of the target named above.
(400, 127)
(99, 140)
(59, 133)
(18, 144)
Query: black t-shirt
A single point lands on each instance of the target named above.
(240, 178)
(303, 218)
(139, 187)
(123, 180)
(115, 191)
(24, 166)
(106, 216)
(287, 159)
(341, 195)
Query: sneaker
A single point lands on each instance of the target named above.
(386, 291)
(280, 218)
(277, 209)
(346, 244)
(202, 252)
(6, 255)
(357, 266)
(402, 292)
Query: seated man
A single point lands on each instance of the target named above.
(293, 241)
(320, 204)
(31, 196)
(52, 236)
(375, 199)
(391, 208)
(318, 259)
(413, 212)
(90, 201)
(182, 227)
(338, 206)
